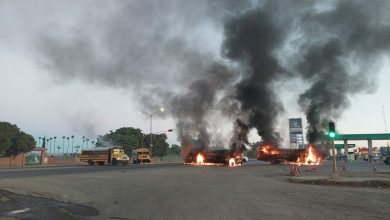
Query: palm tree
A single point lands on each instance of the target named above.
(72, 141)
(59, 148)
(39, 141)
(83, 142)
(63, 144)
(87, 141)
(93, 142)
(55, 138)
(50, 143)
(67, 149)
(77, 148)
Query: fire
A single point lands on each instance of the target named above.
(215, 158)
(311, 158)
(233, 163)
(199, 158)
(268, 150)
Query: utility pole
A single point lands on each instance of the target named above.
(334, 159)
(151, 126)
(151, 129)
(332, 134)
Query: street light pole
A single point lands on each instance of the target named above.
(151, 125)
(142, 144)
(334, 159)
(151, 128)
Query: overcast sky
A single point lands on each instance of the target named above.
(42, 102)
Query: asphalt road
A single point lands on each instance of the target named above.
(74, 169)
(177, 191)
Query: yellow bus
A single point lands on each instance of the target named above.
(141, 155)
(104, 155)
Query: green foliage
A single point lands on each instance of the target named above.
(14, 141)
(131, 139)
(7, 133)
(160, 145)
(174, 150)
(128, 137)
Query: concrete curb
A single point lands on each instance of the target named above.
(344, 181)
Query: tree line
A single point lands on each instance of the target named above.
(132, 138)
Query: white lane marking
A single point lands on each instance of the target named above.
(18, 211)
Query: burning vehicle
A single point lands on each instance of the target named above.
(292, 156)
(214, 157)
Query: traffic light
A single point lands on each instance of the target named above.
(332, 129)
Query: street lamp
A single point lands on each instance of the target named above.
(151, 119)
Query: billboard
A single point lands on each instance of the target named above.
(296, 132)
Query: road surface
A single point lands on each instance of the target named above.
(177, 191)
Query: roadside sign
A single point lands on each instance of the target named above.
(341, 146)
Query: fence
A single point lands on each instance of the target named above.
(23, 159)
(13, 161)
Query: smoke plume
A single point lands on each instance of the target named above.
(340, 59)
(250, 40)
(198, 58)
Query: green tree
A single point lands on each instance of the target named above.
(174, 150)
(128, 137)
(13, 140)
(160, 145)
(7, 132)
(131, 139)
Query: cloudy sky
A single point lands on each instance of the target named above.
(84, 68)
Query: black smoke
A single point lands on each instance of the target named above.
(344, 45)
(162, 52)
(250, 40)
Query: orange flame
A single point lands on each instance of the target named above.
(310, 157)
(233, 163)
(199, 158)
